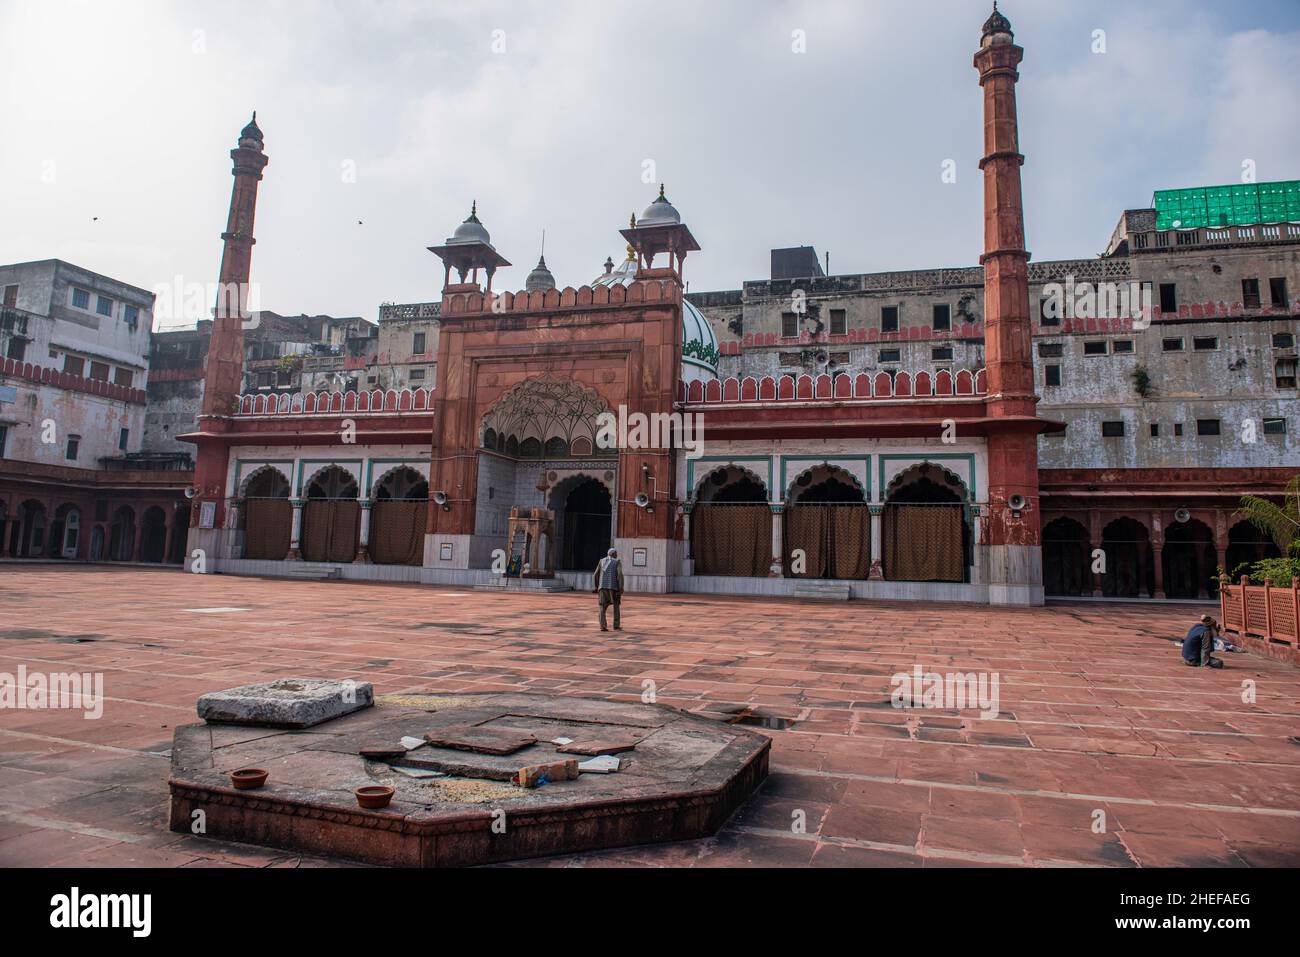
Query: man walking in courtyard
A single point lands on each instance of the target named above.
(608, 583)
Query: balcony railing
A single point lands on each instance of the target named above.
(1261, 611)
(410, 310)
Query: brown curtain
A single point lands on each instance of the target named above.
(397, 532)
(850, 531)
(732, 540)
(835, 538)
(923, 543)
(267, 525)
(329, 530)
(807, 527)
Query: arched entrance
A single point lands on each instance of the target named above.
(1189, 560)
(1247, 545)
(731, 525)
(584, 520)
(121, 535)
(1129, 571)
(397, 518)
(31, 540)
(330, 517)
(65, 532)
(266, 516)
(827, 531)
(1066, 569)
(180, 534)
(153, 535)
(927, 536)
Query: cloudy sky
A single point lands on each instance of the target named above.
(553, 115)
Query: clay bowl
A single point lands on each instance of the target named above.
(245, 779)
(374, 796)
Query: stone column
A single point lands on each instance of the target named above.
(877, 572)
(688, 563)
(1158, 556)
(363, 535)
(295, 533)
(778, 547)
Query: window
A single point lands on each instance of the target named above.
(1275, 426)
(1277, 293)
(941, 354)
(1050, 350)
(74, 443)
(1096, 347)
(81, 298)
(1284, 373)
(1207, 426)
(131, 314)
(1250, 293)
(1178, 428)
(789, 325)
(123, 436)
(417, 347)
(4, 438)
(104, 305)
(1051, 375)
(1121, 345)
(890, 355)
(942, 317)
(11, 296)
(99, 370)
(17, 349)
(1112, 429)
(1205, 343)
(417, 375)
(1155, 430)
(74, 365)
(839, 322)
(1283, 340)
(123, 377)
(1043, 316)
(1168, 298)
(889, 319)
(1172, 345)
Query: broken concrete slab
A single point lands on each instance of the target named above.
(293, 703)
(382, 750)
(602, 764)
(480, 740)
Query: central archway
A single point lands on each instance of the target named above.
(926, 533)
(330, 517)
(827, 526)
(584, 518)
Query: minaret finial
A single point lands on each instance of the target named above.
(631, 223)
(661, 193)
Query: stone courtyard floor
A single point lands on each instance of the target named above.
(1098, 714)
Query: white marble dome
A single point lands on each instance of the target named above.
(699, 346)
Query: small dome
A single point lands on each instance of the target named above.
(470, 231)
(620, 275)
(660, 212)
(252, 131)
(699, 345)
(996, 23)
(540, 279)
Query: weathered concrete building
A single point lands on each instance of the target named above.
(75, 481)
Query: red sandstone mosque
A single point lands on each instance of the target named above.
(917, 485)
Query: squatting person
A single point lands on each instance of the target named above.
(608, 583)
(1200, 642)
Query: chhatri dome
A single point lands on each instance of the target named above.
(699, 344)
(470, 231)
(540, 279)
(660, 212)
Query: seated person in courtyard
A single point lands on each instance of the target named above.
(1200, 642)
(608, 583)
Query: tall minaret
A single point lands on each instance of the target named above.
(224, 373)
(225, 365)
(1013, 556)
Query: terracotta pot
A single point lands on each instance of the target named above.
(374, 796)
(245, 779)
